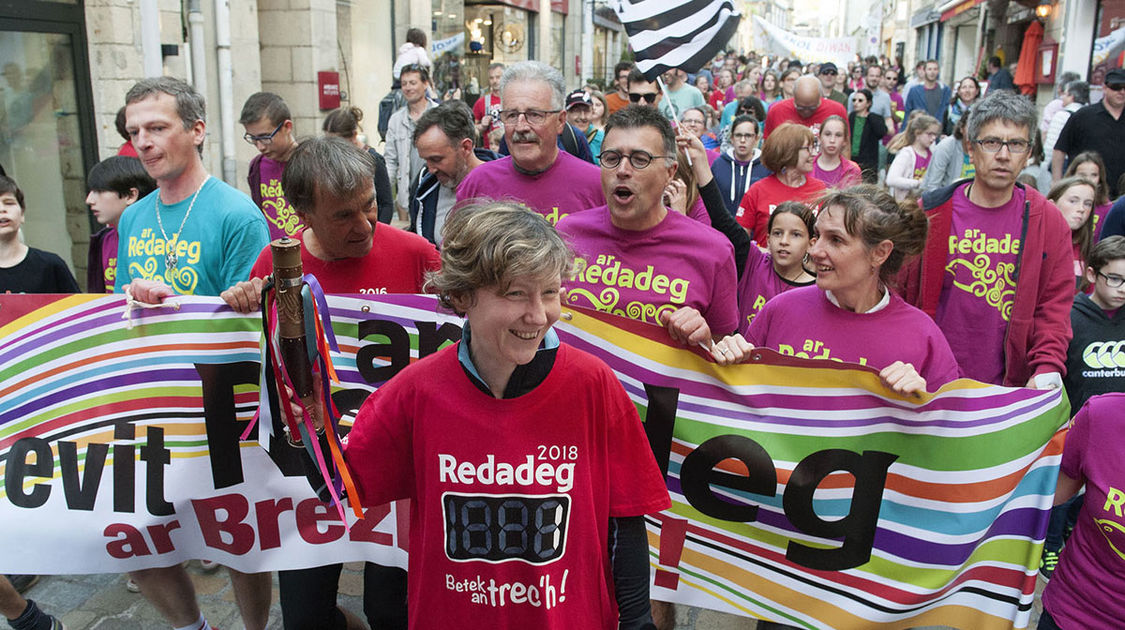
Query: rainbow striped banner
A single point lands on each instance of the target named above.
(803, 492)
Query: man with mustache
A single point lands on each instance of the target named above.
(549, 181)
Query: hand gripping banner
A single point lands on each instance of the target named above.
(803, 492)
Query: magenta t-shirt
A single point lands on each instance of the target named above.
(921, 164)
(567, 186)
(281, 217)
(1099, 219)
(109, 259)
(639, 274)
(758, 285)
(1085, 590)
(979, 285)
(698, 211)
(844, 175)
(804, 323)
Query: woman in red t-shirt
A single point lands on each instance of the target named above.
(790, 152)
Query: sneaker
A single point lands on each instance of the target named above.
(22, 582)
(56, 624)
(209, 565)
(132, 586)
(1047, 564)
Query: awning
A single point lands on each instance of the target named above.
(557, 6)
(953, 8)
(926, 16)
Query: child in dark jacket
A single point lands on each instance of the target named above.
(739, 166)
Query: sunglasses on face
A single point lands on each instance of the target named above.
(1116, 87)
(649, 98)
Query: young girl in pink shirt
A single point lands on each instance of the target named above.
(913, 147)
(833, 166)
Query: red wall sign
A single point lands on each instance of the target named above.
(328, 88)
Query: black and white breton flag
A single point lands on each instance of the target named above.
(668, 34)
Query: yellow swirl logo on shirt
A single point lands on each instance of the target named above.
(1107, 527)
(277, 210)
(980, 275)
(607, 271)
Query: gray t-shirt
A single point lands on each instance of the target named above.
(933, 100)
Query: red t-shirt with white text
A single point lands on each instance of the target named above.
(511, 498)
(764, 196)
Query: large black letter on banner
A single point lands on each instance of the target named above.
(660, 422)
(17, 468)
(698, 474)
(397, 349)
(857, 528)
(223, 428)
(431, 336)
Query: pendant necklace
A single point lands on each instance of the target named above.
(170, 258)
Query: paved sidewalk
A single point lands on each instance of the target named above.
(101, 602)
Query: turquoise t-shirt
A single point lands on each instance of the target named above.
(218, 246)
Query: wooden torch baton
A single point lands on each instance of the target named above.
(287, 279)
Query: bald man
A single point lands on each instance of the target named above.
(807, 107)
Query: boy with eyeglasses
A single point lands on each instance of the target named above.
(997, 273)
(269, 128)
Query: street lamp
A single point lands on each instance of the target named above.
(1043, 10)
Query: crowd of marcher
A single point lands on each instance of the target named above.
(931, 231)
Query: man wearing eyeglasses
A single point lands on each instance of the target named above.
(807, 107)
(1097, 127)
(639, 259)
(997, 273)
(269, 127)
(552, 182)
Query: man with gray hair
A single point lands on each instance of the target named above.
(547, 180)
(194, 235)
(997, 273)
(443, 137)
(329, 182)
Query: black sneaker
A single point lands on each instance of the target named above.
(1047, 564)
(22, 582)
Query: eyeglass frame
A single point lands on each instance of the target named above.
(1109, 280)
(1120, 87)
(266, 139)
(527, 115)
(621, 157)
(1008, 144)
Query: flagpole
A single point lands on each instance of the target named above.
(675, 116)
